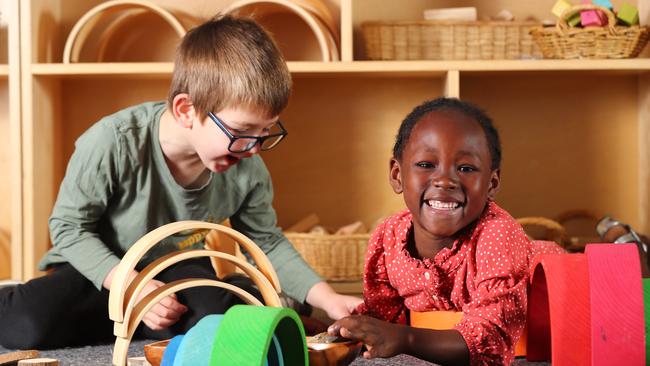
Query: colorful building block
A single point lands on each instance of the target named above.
(592, 18)
(604, 3)
(560, 7)
(628, 14)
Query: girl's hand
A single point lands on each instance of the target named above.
(166, 312)
(382, 339)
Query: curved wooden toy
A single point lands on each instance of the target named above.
(121, 347)
(116, 301)
(269, 294)
(326, 42)
(84, 25)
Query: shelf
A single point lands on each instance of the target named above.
(375, 68)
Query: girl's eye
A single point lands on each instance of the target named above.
(466, 169)
(424, 164)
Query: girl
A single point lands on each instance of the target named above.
(453, 249)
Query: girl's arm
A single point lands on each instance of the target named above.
(384, 339)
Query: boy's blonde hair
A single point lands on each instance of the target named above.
(231, 61)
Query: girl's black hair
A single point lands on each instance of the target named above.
(450, 104)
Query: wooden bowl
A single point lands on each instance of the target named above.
(333, 354)
(153, 352)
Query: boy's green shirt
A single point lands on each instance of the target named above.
(117, 187)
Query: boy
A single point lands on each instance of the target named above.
(193, 158)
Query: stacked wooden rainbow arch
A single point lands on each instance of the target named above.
(588, 309)
(258, 323)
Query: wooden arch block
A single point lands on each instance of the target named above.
(127, 312)
(82, 28)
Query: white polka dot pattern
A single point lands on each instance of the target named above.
(484, 274)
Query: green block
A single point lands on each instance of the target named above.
(574, 21)
(628, 14)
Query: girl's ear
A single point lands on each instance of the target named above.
(395, 176)
(183, 110)
(495, 182)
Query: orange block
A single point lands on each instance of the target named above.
(442, 320)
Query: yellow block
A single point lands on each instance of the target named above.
(560, 7)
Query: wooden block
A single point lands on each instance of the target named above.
(560, 7)
(592, 18)
(628, 14)
(13, 357)
(354, 228)
(137, 361)
(604, 3)
(304, 224)
(39, 362)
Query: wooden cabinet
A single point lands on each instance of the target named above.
(575, 132)
(11, 265)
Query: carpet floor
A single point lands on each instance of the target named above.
(102, 355)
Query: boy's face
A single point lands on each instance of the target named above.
(211, 143)
(445, 174)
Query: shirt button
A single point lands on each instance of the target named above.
(427, 275)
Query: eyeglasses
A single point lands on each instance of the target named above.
(239, 144)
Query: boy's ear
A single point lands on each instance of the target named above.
(395, 176)
(183, 110)
(495, 183)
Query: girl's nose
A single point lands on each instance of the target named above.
(445, 181)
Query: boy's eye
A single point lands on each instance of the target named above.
(466, 169)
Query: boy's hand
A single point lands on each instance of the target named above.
(341, 306)
(382, 339)
(166, 312)
(337, 306)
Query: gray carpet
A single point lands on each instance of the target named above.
(102, 355)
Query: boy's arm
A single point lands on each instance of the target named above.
(82, 200)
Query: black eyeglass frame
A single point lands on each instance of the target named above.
(259, 139)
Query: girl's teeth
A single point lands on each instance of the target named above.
(443, 205)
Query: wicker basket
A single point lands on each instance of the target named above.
(334, 257)
(449, 40)
(552, 230)
(611, 41)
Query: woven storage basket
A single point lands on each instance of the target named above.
(449, 40)
(611, 41)
(335, 257)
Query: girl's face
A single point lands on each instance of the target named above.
(211, 143)
(445, 175)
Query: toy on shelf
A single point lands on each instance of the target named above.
(121, 12)
(610, 40)
(280, 16)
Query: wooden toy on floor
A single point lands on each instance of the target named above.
(39, 362)
(127, 312)
(13, 357)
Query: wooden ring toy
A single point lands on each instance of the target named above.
(246, 332)
(82, 28)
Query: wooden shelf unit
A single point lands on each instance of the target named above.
(11, 265)
(575, 132)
